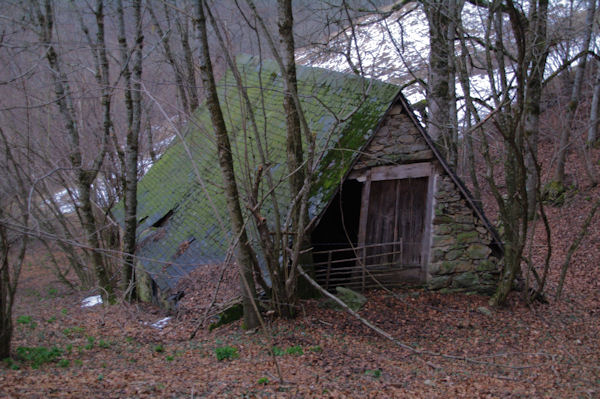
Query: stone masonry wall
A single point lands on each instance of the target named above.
(460, 256)
(397, 141)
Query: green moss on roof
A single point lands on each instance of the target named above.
(187, 179)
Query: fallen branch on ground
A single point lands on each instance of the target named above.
(395, 341)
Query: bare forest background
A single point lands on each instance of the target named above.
(93, 91)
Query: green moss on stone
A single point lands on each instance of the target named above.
(443, 240)
(444, 229)
(465, 280)
(486, 265)
(466, 237)
(353, 299)
(442, 219)
(228, 316)
(437, 282)
(143, 285)
(478, 251)
(453, 254)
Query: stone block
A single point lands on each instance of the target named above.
(478, 251)
(464, 219)
(482, 230)
(442, 219)
(465, 280)
(437, 282)
(486, 265)
(462, 267)
(353, 299)
(441, 194)
(437, 254)
(443, 240)
(407, 139)
(447, 267)
(433, 268)
(453, 254)
(467, 237)
(443, 229)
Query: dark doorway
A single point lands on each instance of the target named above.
(336, 235)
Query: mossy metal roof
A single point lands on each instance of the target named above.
(182, 214)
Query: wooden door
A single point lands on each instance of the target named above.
(395, 226)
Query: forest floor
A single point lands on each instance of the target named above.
(542, 350)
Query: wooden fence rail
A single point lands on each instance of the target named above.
(363, 266)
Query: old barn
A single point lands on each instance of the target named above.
(388, 208)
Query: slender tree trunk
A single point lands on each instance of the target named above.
(6, 297)
(538, 39)
(575, 94)
(133, 104)
(574, 246)
(166, 45)
(439, 96)
(151, 150)
(594, 112)
(454, 10)
(244, 251)
(188, 56)
(517, 126)
(11, 256)
(84, 176)
(470, 113)
(294, 132)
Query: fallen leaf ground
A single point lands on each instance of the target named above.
(544, 350)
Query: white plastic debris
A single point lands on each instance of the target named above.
(91, 301)
(161, 323)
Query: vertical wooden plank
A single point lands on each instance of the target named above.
(427, 231)
(364, 216)
(364, 210)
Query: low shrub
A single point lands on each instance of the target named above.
(226, 353)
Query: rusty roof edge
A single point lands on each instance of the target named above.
(457, 180)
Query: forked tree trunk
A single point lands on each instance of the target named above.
(133, 105)
(537, 36)
(85, 175)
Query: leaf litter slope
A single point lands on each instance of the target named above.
(547, 350)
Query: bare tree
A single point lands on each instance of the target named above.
(573, 103)
(443, 17)
(592, 137)
(246, 256)
(131, 66)
(516, 118)
(14, 222)
(43, 12)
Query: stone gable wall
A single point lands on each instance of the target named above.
(397, 141)
(460, 255)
